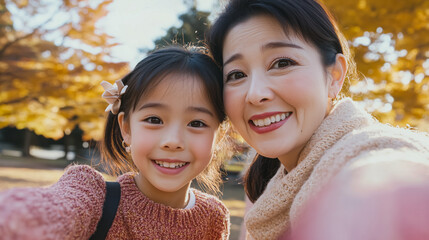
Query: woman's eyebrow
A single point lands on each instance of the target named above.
(233, 58)
(271, 45)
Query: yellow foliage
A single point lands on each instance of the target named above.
(45, 85)
(406, 24)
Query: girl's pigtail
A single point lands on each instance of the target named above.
(114, 157)
(258, 175)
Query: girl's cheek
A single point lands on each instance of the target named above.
(204, 146)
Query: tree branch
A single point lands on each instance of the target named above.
(36, 29)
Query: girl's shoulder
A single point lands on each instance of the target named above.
(210, 202)
(82, 175)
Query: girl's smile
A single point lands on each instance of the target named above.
(170, 166)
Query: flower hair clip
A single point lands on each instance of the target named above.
(112, 94)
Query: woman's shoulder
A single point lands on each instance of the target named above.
(379, 136)
(384, 149)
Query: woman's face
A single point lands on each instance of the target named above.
(276, 88)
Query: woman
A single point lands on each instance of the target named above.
(284, 65)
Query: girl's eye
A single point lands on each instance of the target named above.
(197, 124)
(235, 75)
(153, 120)
(283, 62)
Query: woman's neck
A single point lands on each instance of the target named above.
(290, 160)
(177, 199)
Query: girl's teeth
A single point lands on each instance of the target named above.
(170, 165)
(270, 120)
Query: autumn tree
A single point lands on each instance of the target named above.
(52, 65)
(390, 40)
(194, 25)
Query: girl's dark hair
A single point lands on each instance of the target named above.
(306, 18)
(150, 71)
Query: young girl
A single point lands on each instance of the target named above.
(161, 129)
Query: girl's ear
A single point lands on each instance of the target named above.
(125, 128)
(337, 75)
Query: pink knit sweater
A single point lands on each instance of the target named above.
(72, 207)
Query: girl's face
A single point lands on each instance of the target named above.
(276, 89)
(171, 134)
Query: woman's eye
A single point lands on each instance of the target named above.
(234, 76)
(153, 120)
(283, 62)
(197, 124)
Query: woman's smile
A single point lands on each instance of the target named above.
(267, 122)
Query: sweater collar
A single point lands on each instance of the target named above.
(133, 198)
(269, 216)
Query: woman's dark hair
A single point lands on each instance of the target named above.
(150, 71)
(306, 18)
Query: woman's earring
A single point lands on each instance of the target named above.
(127, 148)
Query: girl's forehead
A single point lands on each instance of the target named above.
(182, 85)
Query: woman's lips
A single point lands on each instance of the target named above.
(267, 122)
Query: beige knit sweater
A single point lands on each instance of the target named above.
(347, 135)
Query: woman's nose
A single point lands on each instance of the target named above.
(259, 90)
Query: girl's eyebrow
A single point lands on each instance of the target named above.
(189, 109)
(152, 105)
(200, 109)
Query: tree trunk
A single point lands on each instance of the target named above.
(27, 143)
(66, 145)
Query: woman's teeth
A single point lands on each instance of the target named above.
(270, 120)
(170, 165)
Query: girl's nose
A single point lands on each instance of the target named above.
(173, 139)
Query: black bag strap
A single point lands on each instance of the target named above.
(110, 206)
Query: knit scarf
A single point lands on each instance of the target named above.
(270, 215)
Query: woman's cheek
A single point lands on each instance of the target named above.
(234, 99)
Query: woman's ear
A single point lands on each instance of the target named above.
(338, 73)
(125, 128)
